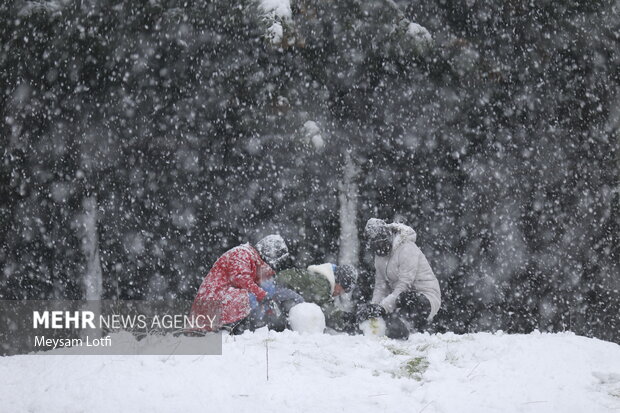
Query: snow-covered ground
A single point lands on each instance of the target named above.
(330, 373)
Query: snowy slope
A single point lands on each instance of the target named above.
(322, 373)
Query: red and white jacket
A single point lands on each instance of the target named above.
(236, 273)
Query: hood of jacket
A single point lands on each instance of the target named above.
(403, 234)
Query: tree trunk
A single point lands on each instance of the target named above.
(348, 194)
(93, 280)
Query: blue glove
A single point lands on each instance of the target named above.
(270, 287)
(253, 301)
(284, 294)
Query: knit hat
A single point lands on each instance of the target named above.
(375, 228)
(345, 276)
(273, 250)
(379, 236)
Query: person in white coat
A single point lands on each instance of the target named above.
(406, 291)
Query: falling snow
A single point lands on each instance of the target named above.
(142, 141)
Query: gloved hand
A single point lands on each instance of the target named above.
(257, 311)
(253, 301)
(285, 294)
(267, 312)
(270, 287)
(274, 317)
(376, 310)
(371, 311)
(270, 307)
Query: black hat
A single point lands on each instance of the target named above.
(345, 275)
(379, 236)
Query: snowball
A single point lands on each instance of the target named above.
(307, 318)
(373, 327)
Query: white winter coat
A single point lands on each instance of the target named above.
(404, 268)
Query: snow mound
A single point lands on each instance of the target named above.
(307, 318)
(441, 373)
(419, 38)
(312, 134)
(277, 8)
(276, 12)
(419, 33)
(275, 33)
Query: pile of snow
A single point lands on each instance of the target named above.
(275, 33)
(276, 12)
(421, 38)
(307, 318)
(288, 371)
(312, 134)
(277, 8)
(49, 6)
(419, 33)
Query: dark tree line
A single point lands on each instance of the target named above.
(181, 129)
